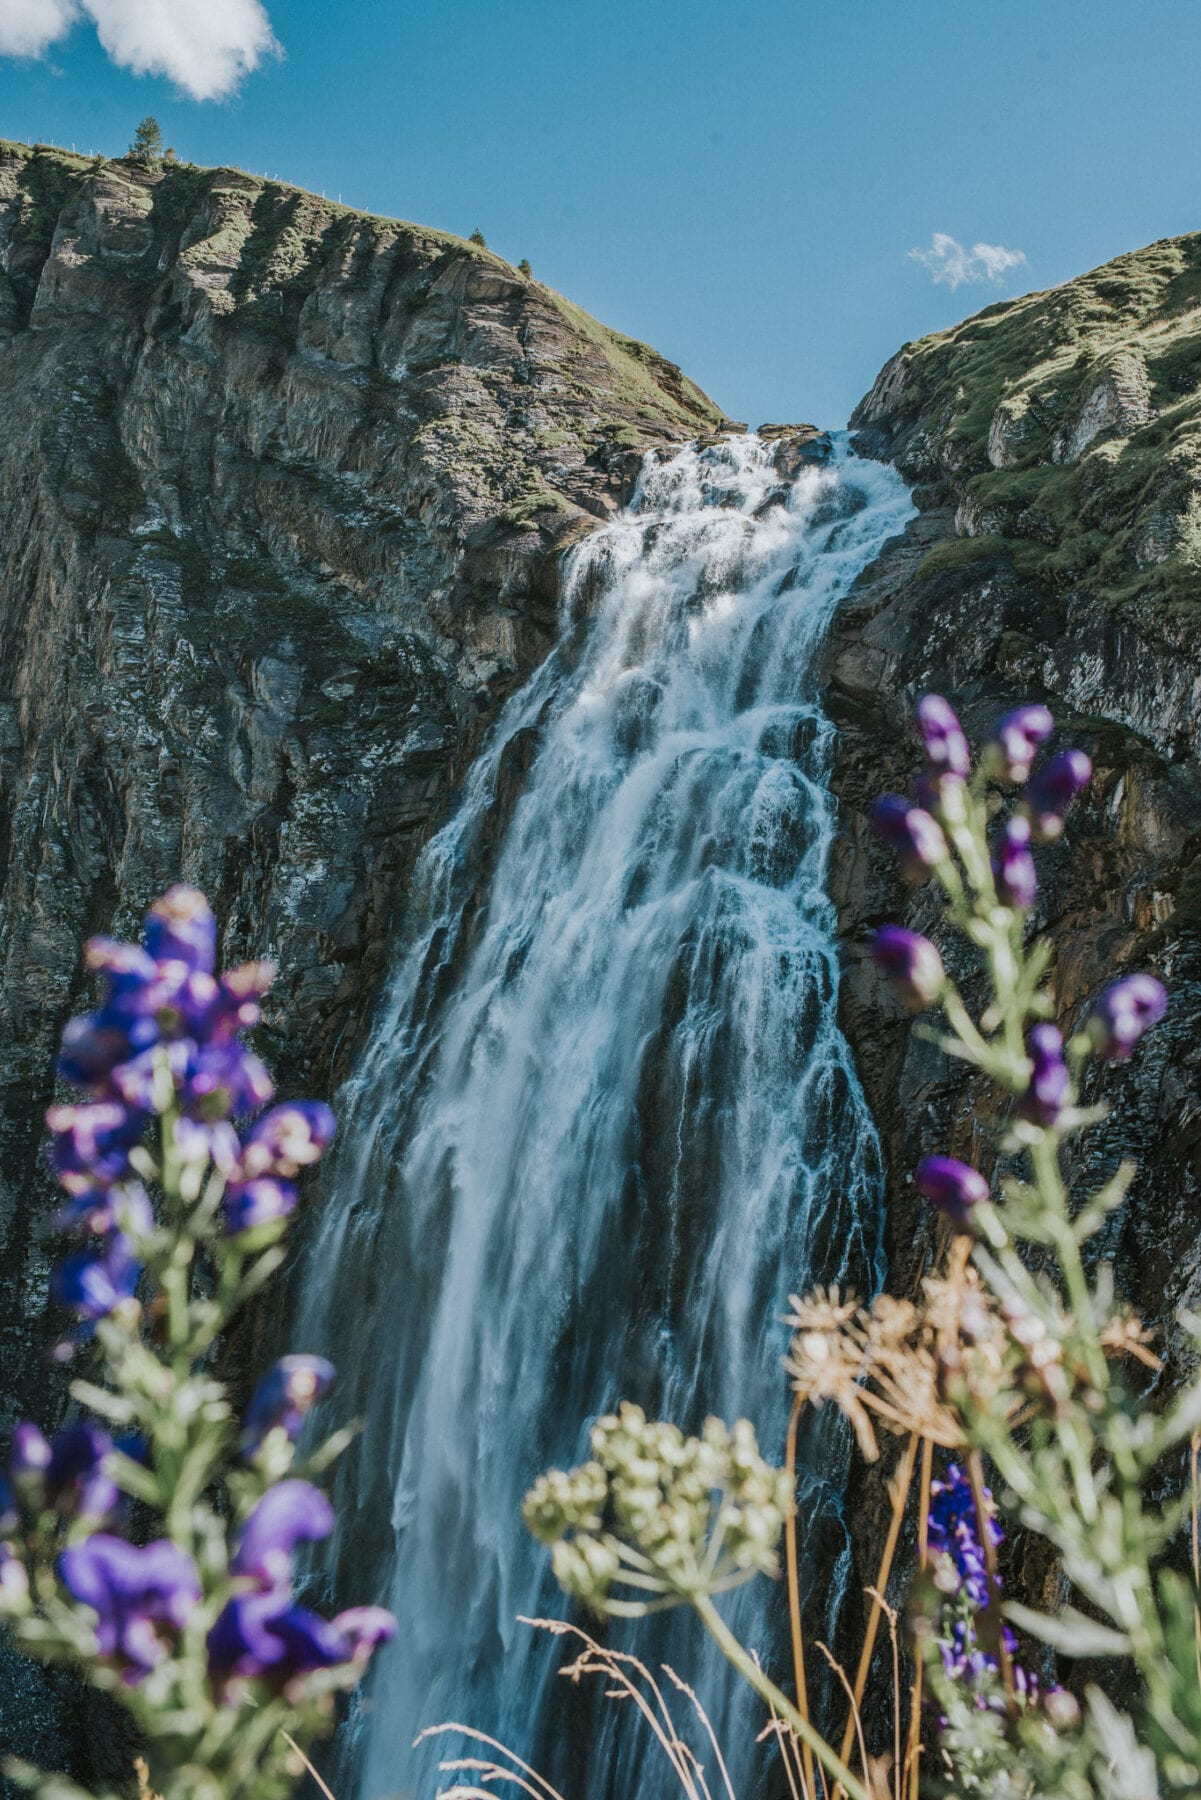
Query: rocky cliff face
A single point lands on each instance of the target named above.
(1053, 448)
(282, 494)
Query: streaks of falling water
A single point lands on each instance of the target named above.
(605, 1121)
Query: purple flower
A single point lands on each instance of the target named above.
(76, 1479)
(1053, 788)
(249, 1204)
(28, 1459)
(237, 1005)
(287, 1139)
(911, 963)
(101, 1212)
(1013, 865)
(181, 928)
(225, 1079)
(1017, 738)
(265, 1636)
(97, 1044)
(92, 1143)
(290, 1513)
(1050, 1086)
(285, 1396)
(943, 738)
(366, 1628)
(1125, 1010)
(912, 833)
(141, 1597)
(93, 1286)
(953, 1530)
(952, 1188)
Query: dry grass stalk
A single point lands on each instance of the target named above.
(542, 1789)
(913, 1754)
(794, 1601)
(902, 1482)
(307, 1765)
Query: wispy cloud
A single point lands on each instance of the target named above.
(205, 47)
(950, 263)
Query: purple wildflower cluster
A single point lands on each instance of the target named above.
(955, 1534)
(261, 1632)
(165, 1046)
(166, 1038)
(924, 831)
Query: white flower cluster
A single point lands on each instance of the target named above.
(667, 1515)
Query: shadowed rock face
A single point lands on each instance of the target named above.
(993, 619)
(282, 491)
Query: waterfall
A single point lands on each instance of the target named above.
(605, 1120)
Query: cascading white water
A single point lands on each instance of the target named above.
(606, 1120)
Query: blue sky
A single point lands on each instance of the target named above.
(740, 182)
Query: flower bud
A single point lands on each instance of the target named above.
(1050, 1086)
(1016, 740)
(911, 963)
(248, 1204)
(1052, 789)
(1013, 865)
(28, 1459)
(952, 1189)
(181, 928)
(916, 838)
(943, 739)
(1125, 1010)
(286, 1395)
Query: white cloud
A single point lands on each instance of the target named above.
(204, 46)
(29, 27)
(949, 262)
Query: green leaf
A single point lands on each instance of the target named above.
(1070, 1632)
(108, 1405)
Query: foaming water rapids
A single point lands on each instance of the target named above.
(605, 1121)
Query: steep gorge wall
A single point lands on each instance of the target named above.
(282, 494)
(1055, 449)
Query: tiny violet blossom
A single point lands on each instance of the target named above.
(952, 1188)
(93, 1286)
(912, 964)
(28, 1460)
(180, 927)
(1017, 738)
(285, 1396)
(1052, 791)
(249, 1204)
(290, 1513)
(1125, 1010)
(92, 1143)
(943, 737)
(141, 1597)
(1050, 1087)
(916, 837)
(1013, 865)
(76, 1479)
(287, 1139)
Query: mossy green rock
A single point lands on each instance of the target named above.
(1068, 424)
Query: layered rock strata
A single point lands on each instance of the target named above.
(283, 490)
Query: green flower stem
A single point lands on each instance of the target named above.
(768, 1692)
